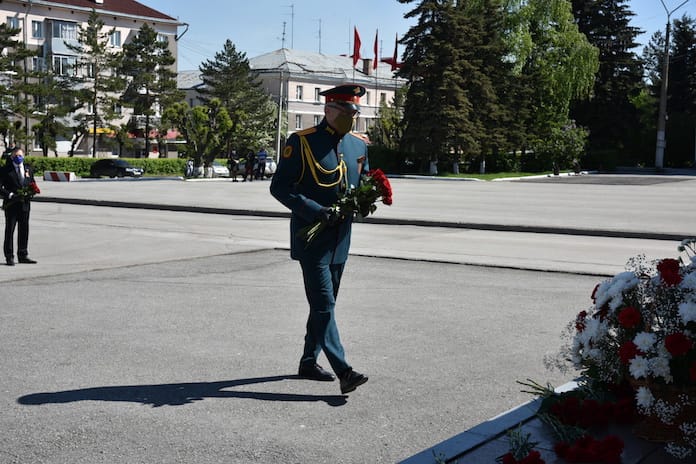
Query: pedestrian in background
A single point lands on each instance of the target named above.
(15, 178)
(261, 163)
(249, 166)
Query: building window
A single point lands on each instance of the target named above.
(13, 22)
(162, 38)
(317, 119)
(38, 63)
(298, 121)
(64, 30)
(37, 29)
(367, 98)
(298, 92)
(89, 68)
(317, 91)
(64, 65)
(118, 109)
(383, 98)
(115, 39)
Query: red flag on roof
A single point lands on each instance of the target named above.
(394, 58)
(356, 46)
(374, 63)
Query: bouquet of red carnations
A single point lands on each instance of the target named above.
(25, 193)
(358, 202)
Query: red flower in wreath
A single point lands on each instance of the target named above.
(678, 344)
(669, 271)
(629, 317)
(628, 351)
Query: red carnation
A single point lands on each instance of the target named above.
(580, 321)
(669, 272)
(35, 188)
(678, 344)
(628, 351)
(594, 293)
(629, 317)
(383, 185)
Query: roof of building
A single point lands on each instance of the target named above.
(319, 65)
(126, 7)
(189, 79)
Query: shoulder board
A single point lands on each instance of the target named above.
(311, 130)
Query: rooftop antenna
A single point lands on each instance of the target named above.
(282, 38)
(292, 25)
(319, 35)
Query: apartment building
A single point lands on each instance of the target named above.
(295, 79)
(48, 25)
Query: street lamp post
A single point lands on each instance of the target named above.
(662, 116)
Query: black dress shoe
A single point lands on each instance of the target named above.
(315, 372)
(9, 261)
(350, 380)
(26, 260)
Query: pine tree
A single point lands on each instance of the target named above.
(681, 103)
(15, 102)
(95, 75)
(438, 114)
(228, 78)
(152, 85)
(605, 23)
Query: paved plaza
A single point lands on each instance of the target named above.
(172, 334)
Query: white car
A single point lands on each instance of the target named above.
(219, 170)
(268, 172)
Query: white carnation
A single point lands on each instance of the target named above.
(687, 311)
(645, 341)
(639, 367)
(644, 398)
(659, 366)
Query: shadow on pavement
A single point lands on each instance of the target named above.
(177, 394)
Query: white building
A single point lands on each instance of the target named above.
(295, 78)
(47, 25)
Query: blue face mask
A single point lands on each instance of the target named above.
(18, 159)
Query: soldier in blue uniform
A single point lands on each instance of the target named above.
(317, 166)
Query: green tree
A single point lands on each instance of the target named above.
(96, 74)
(152, 85)
(681, 103)
(388, 128)
(558, 62)
(57, 103)
(228, 78)
(619, 80)
(438, 113)
(206, 129)
(15, 102)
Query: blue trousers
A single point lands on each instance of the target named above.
(321, 282)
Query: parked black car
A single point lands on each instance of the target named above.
(114, 168)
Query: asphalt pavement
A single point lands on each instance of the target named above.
(164, 319)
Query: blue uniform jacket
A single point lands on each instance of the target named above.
(311, 157)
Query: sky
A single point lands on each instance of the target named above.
(256, 27)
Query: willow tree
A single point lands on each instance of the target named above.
(554, 56)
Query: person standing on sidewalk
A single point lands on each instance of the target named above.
(14, 177)
(317, 166)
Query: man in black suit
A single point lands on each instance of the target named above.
(17, 186)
